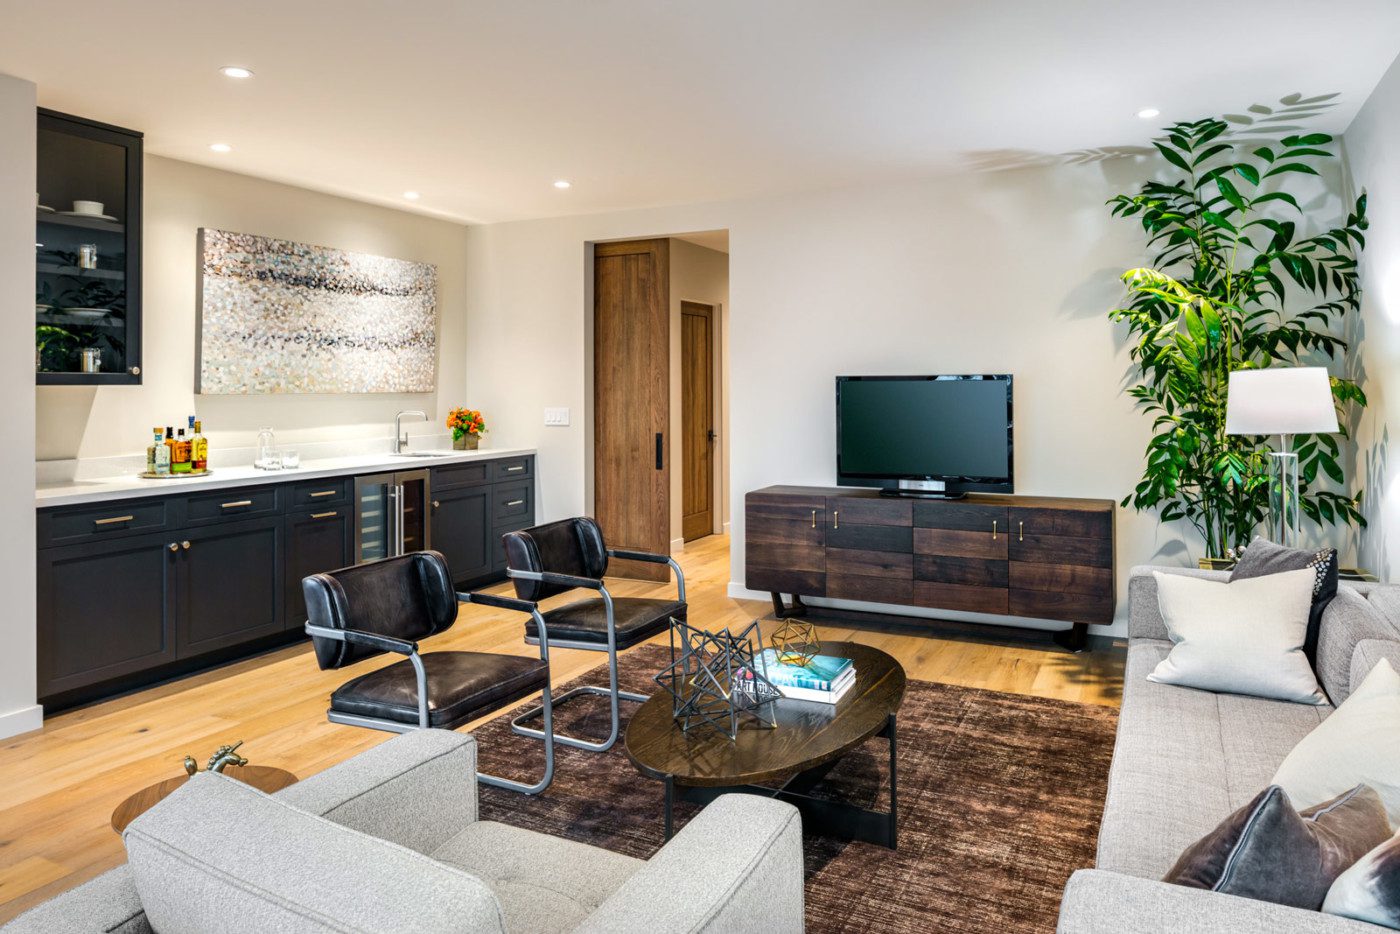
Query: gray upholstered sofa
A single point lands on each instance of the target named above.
(389, 841)
(1185, 759)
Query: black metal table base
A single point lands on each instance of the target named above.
(819, 815)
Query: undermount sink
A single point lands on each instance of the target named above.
(423, 453)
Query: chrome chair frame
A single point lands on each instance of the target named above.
(614, 695)
(410, 649)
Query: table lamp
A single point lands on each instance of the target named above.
(1283, 401)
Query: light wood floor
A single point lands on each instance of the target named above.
(61, 784)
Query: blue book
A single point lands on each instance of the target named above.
(819, 674)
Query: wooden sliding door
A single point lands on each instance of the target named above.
(632, 401)
(697, 420)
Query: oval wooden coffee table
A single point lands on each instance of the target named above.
(809, 740)
(262, 777)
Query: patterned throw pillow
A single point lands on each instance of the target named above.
(1370, 889)
(1262, 557)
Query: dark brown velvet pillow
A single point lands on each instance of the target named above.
(1262, 557)
(1268, 851)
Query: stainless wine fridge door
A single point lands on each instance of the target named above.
(376, 514)
(414, 530)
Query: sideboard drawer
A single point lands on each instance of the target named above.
(513, 468)
(968, 517)
(69, 525)
(512, 502)
(224, 505)
(332, 491)
(1075, 523)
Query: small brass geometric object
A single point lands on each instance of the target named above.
(796, 643)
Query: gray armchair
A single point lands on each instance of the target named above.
(390, 841)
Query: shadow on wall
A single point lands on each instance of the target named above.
(67, 410)
(1377, 469)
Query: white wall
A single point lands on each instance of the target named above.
(699, 274)
(996, 272)
(18, 712)
(1373, 156)
(179, 199)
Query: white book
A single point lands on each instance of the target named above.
(822, 697)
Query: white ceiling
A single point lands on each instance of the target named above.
(480, 105)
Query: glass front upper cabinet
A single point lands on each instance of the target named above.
(87, 284)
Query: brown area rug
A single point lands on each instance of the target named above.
(999, 801)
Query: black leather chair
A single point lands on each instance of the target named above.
(386, 606)
(557, 557)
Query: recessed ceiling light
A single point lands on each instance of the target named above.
(411, 195)
(221, 147)
(561, 184)
(235, 71)
(1147, 113)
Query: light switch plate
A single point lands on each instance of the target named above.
(556, 417)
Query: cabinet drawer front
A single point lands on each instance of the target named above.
(75, 524)
(965, 597)
(784, 580)
(876, 563)
(947, 569)
(795, 508)
(776, 531)
(513, 468)
(457, 475)
(1077, 523)
(513, 501)
(1062, 549)
(224, 505)
(959, 544)
(1069, 578)
(872, 511)
(785, 555)
(1070, 607)
(873, 589)
(870, 537)
(969, 517)
(332, 491)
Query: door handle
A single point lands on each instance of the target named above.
(436, 504)
(323, 515)
(236, 503)
(994, 530)
(320, 493)
(660, 454)
(174, 546)
(112, 520)
(710, 436)
(1020, 531)
(814, 518)
(516, 502)
(836, 519)
(515, 468)
(185, 545)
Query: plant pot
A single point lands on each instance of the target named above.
(466, 442)
(1215, 564)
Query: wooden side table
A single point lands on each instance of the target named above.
(262, 777)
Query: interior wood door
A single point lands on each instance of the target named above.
(632, 400)
(697, 420)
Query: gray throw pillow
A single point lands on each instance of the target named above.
(1370, 889)
(1268, 851)
(1262, 557)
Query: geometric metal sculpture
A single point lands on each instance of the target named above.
(795, 643)
(713, 679)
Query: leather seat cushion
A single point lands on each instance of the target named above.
(461, 687)
(635, 618)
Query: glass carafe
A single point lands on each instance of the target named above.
(267, 458)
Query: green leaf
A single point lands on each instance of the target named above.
(1248, 172)
(1231, 193)
(1279, 196)
(1291, 167)
(1265, 153)
(1216, 220)
(1312, 139)
(1194, 327)
(1173, 157)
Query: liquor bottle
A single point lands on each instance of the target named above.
(181, 451)
(199, 456)
(170, 446)
(162, 456)
(151, 453)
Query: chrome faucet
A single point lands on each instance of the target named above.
(401, 439)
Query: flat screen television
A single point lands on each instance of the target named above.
(932, 436)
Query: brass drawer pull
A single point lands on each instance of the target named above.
(113, 520)
(237, 503)
(319, 493)
(516, 502)
(185, 545)
(814, 518)
(1021, 531)
(994, 530)
(323, 515)
(174, 546)
(515, 468)
(836, 518)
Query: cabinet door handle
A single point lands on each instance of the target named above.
(436, 504)
(516, 502)
(112, 520)
(814, 518)
(994, 530)
(320, 493)
(236, 503)
(185, 545)
(515, 468)
(174, 546)
(323, 515)
(1020, 531)
(836, 518)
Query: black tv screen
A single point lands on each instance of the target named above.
(956, 429)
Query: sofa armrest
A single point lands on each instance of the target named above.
(417, 789)
(107, 904)
(1367, 653)
(737, 866)
(1144, 615)
(1100, 902)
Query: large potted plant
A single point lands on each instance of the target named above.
(1233, 285)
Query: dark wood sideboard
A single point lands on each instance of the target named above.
(1030, 556)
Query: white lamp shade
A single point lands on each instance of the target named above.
(1280, 401)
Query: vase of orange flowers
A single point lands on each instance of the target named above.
(467, 428)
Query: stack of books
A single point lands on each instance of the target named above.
(825, 678)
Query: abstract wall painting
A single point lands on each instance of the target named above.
(276, 316)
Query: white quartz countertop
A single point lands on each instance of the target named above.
(130, 486)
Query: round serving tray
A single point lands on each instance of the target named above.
(147, 475)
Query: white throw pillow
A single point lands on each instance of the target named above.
(1240, 637)
(1370, 889)
(1358, 744)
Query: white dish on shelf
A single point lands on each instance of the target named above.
(88, 312)
(41, 309)
(44, 209)
(96, 217)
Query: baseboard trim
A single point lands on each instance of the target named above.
(21, 721)
(677, 545)
(725, 528)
